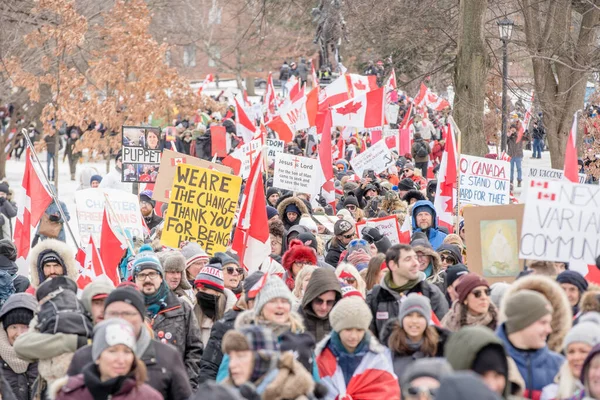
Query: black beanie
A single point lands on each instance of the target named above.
(17, 316)
(127, 295)
(491, 358)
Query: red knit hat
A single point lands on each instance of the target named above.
(298, 252)
(467, 283)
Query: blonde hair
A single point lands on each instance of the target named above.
(349, 268)
(306, 270)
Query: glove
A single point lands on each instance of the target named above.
(321, 200)
(371, 234)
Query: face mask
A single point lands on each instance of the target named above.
(208, 303)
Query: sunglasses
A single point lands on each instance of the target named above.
(349, 281)
(407, 170)
(416, 391)
(478, 293)
(231, 270)
(319, 302)
(350, 236)
(350, 207)
(450, 260)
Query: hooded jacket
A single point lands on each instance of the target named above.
(438, 275)
(8, 256)
(60, 248)
(385, 302)
(322, 280)
(283, 205)
(436, 237)
(463, 385)
(452, 249)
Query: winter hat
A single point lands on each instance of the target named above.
(591, 316)
(423, 208)
(410, 166)
(584, 332)
(21, 316)
(292, 208)
(101, 287)
(498, 290)
(415, 302)
(350, 312)
(349, 291)
(349, 187)
(112, 332)
(454, 272)
(465, 384)
(358, 257)
(4, 187)
(250, 281)
(491, 358)
(451, 250)
(48, 256)
(467, 284)
(345, 214)
(406, 184)
(172, 261)
(193, 252)
(95, 178)
(298, 252)
(146, 259)
(271, 212)
(274, 288)
(357, 245)
(524, 308)
(342, 226)
(8, 250)
(226, 259)
(211, 277)
(146, 196)
(129, 295)
(271, 191)
(308, 239)
(351, 200)
(308, 222)
(435, 368)
(250, 338)
(574, 278)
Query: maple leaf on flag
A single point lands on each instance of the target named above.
(350, 108)
(360, 86)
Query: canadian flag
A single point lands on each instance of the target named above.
(301, 114)
(360, 84)
(251, 238)
(314, 74)
(111, 248)
(365, 111)
(325, 149)
(390, 88)
(270, 99)
(90, 264)
(294, 87)
(571, 167)
(427, 98)
(243, 124)
(242, 158)
(445, 193)
(527, 118)
(34, 201)
(334, 93)
(245, 97)
(339, 149)
(209, 78)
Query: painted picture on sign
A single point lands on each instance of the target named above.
(133, 136)
(129, 173)
(152, 140)
(499, 247)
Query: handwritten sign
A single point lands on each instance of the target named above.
(484, 181)
(561, 222)
(387, 226)
(298, 174)
(201, 209)
(377, 157)
(140, 153)
(546, 173)
(274, 146)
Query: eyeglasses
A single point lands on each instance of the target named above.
(350, 236)
(416, 391)
(350, 207)
(406, 170)
(319, 302)
(122, 314)
(478, 293)
(349, 281)
(231, 270)
(145, 203)
(450, 260)
(150, 275)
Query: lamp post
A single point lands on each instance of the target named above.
(505, 27)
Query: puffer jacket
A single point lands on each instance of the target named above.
(176, 324)
(322, 280)
(385, 302)
(435, 236)
(282, 214)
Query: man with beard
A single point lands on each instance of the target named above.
(172, 321)
(147, 208)
(424, 219)
(112, 180)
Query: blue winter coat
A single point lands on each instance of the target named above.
(436, 237)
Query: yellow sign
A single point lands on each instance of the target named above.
(201, 209)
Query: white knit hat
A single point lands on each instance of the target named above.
(307, 222)
(274, 288)
(350, 312)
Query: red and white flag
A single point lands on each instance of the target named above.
(571, 169)
(334, 93)
(245, 97)
(360, 84)
(327, 177)
(244, 126)
(365, 111)
(427, 98)
(445, 193)
(301, 114)
(390, 88)
(209, 78)
(294, 85)
(527, 118)
(111, 248)
(32, 206)
(314, 74)
(89, 264)
(251, 238)
(270, 99)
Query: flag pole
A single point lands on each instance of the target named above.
(114, 216)
(458, 151)
(49, 186)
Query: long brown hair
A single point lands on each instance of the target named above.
(398, 341)
(139, 372)
(373, 270)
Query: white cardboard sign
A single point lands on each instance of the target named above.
(295, 173)
(484, 181)
(377, 157)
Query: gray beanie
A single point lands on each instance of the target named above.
(591, 316)
(415, 302)
(350, 312)
(436, 368)
(112, 332)
(274, 288)
(523, 308)
(193, 252)
(584, 332)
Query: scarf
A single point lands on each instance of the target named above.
(8, 354)
(157, 301)
(453, 319)
(348, 362)
(429, 270)
(399, 289)
(98, 389)
(208, 304)
(277, 329)
(414, 346)
(264, 361)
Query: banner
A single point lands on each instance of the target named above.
(140, 154)
(90, 208)
(274, 146)
(561, 222)
(377, 157)
(547, 173)
(483, 181)
(168, 166)
(295, 173)
(387, 226)
(201, 209)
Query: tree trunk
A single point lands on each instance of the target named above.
(470, 72)
(250, 85)
(56, 152)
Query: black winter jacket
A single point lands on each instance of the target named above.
(166, 372)
(204, 146)
(21, 384)
(334, 252)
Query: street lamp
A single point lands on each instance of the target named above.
(505, 27)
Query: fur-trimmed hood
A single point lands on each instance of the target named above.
(62, 249)
(562, 316)
(435, 257)
(298, 252)
(590, 300)
(286, 202)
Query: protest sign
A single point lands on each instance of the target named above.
(295, 173)
(202, 208)
(546, 173)
(484, 181)
(90, 209)
(168, 166)
(391, 137)
(377, 157)
(387, 226)
(493, 234)
(274, 146)
(241, 158)
(140, 153)
(561, 222)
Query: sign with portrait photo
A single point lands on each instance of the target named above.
(140, 154)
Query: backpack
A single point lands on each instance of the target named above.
(60, 310)
(422, 150)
